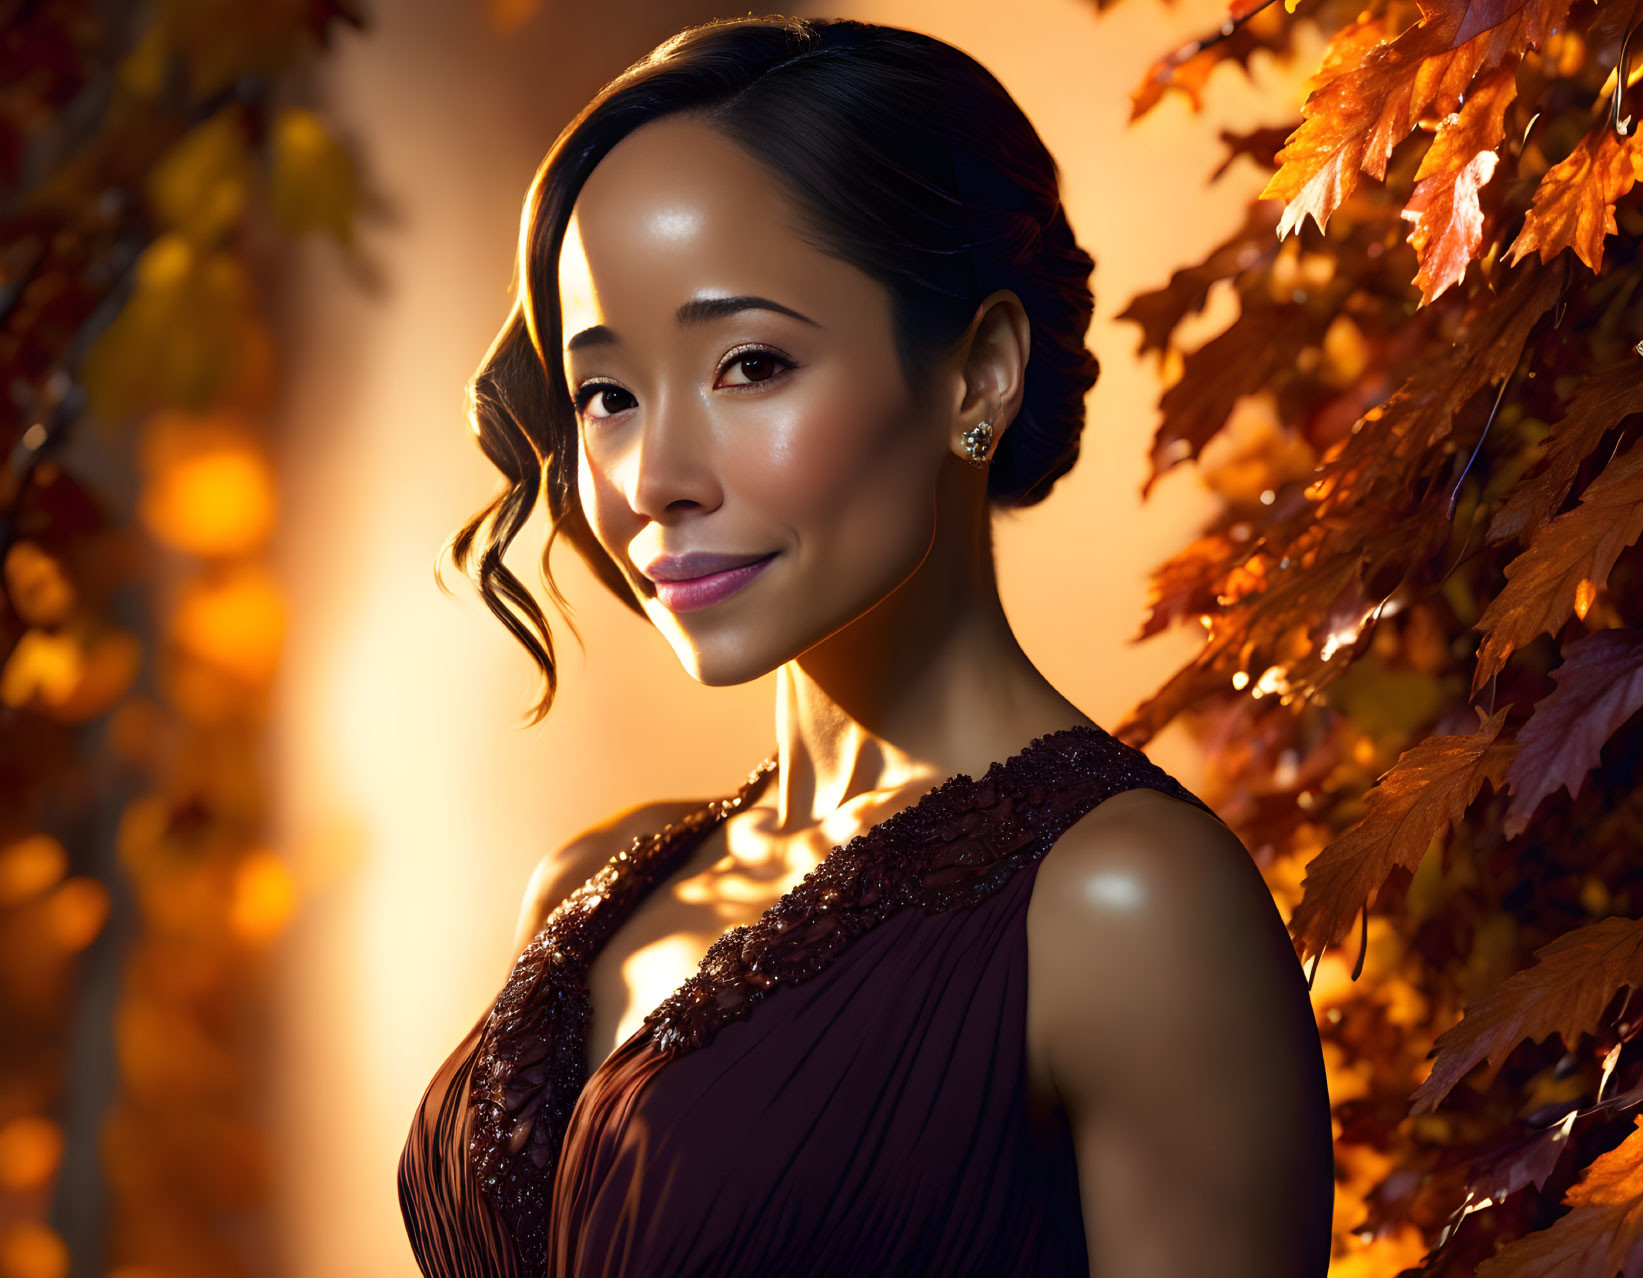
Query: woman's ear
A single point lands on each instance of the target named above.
(994, 353)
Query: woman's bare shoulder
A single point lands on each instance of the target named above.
(565, 869)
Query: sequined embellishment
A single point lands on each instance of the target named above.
(950, 849)
(530, 1063)
(953, 848)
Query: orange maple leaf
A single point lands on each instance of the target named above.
(1353, 122)
(1573, 206)
(1566, 563)
(1598, 687)
(1444, 205)
(1564, 993)
(1414, 802)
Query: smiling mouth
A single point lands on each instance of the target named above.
(694, 593)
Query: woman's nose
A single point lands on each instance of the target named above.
(667, 464)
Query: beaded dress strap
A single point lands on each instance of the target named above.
(952, 849)
(530, 1061)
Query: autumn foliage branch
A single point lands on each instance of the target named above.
(1423, 657)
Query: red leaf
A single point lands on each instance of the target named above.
(1599, 687)
(1160, 312)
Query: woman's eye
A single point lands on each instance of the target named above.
(758, 366)
(597, 392)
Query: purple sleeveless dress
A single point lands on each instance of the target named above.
(839, 1090)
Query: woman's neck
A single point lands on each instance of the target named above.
(918, 689)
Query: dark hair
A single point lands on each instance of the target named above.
(902, 156)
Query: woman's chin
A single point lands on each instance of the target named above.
(725, 660)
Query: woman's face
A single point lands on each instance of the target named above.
(775, 433)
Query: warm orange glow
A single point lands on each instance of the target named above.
(1585, 596)
(264, 898)
(29, 866)
(164, 1054)
(30, 1150)
(37, 586)
(77, 911)
(74, 677)
(29, 1249)
(234, 620)
(220, 501)
(42, 664)
(1345, 350)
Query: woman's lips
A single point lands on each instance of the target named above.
(703, 592)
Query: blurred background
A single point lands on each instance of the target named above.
(267, 810)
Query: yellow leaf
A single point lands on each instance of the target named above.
(313, 186)
(199, 186)
(42, 664)
(39, 589)
(181, 339)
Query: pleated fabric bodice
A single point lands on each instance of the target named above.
(840, 1089)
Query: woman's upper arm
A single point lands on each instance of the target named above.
(1175, 1021)
(562, 871)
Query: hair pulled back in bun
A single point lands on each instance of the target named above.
(901, 154)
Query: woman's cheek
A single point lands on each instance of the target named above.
(816, 455)
(599, 500)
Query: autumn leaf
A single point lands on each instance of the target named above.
(1413, 803)
(312, 184)
(1564, 993)
(1599, 687)
(1245, 358)
(1602, 401)
(1573, 206)
(1452, 409)
(1351, 123)
(1566, 564)
(1186, 69)
(1261, 145)
(1290, 621)
(1527, 1161)
(1444, 207)
(199, 187)
(1186, 583)
(1160, 312)
(1602, 1234)
(1395, 437)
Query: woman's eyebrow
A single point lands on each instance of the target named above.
(699, 310)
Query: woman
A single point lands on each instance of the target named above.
(798, 309)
